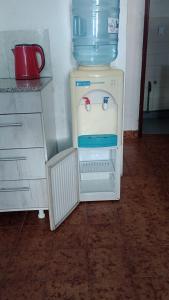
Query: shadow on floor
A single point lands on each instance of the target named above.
(156, 122)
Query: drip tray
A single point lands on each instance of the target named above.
(95, 141)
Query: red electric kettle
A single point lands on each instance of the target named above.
(26, 62)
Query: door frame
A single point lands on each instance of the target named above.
(143, 69)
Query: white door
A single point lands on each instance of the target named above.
(63, 186)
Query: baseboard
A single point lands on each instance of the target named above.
(131, 134)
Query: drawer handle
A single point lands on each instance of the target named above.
(11, 125)
(19, 189)
(12, 158)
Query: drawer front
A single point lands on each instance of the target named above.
(21, 131)
(19, 164)
(11, 103)
(23, 195)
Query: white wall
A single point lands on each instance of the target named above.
(55, 16)
(135, 24)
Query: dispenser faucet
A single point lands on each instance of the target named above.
(105, 103)
(87, 103)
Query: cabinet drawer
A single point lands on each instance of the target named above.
(19, 164)
(11, 103)
(23, 195)
(21, 131)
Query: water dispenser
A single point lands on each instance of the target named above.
(95, 31)
(91, 170)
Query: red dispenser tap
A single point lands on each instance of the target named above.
(87, 103)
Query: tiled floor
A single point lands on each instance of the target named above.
(103, 251)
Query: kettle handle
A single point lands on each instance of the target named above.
(39, 49)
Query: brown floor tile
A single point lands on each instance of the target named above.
(4, 263)
(152, 188)
(35, 238)
(68, 265)
(129, 194)
(66, 291)
(162, 233)
(13, 219)
(145, 289)
(136, 229)
(8, 239)
(156, 215)
(115, 289)
(70, 236)
(127, 185)
(107, 263)
(22, 290)
(147, 261)
(140, 168)
(32, 219)
(104, 236)
(151, 288)
(126, 170)
(27, 266)
(103, 213)
(162, 288)
(138, 161)
(78, 216)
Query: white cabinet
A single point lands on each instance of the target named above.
(22, 130)
(18, 103)
(23, 195)
(27, 141)
(17, 164)
(81, 175)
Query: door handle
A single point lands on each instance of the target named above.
(148, 97)
(11, 125)
(13, 158)
(19, 189)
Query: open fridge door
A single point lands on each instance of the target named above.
(63, 186)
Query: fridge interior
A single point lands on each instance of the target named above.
(97, 168)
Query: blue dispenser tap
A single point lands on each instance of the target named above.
(105, 103)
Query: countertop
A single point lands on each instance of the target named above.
(8, 85)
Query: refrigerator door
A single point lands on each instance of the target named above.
(63, 186)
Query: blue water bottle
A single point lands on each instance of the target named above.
(95, 31)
